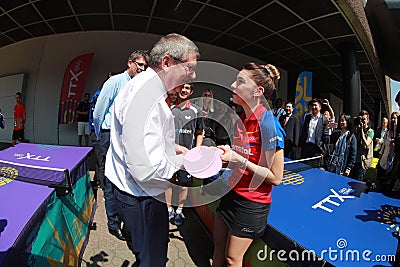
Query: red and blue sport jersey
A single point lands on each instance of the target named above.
(257, 134)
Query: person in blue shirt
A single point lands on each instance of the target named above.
(96, 179)
(97, 182)
(93, 101)
(137, 62)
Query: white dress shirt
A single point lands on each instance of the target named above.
(142, 156)
(312, 127)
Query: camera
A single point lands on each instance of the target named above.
(359, 121)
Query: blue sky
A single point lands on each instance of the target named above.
(395, 86)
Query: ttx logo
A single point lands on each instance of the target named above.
(328, 200)
(74, 77)
(32, 157)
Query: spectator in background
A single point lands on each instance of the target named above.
(278, 110)
(312, 137)
(209, 114)
(291, 125)
(365, 137)
(137, 62)
(83, 119)
(172, 99)
(345, 147)
(393, 177)
(2, 122)
(19, 120)
(98, 179)
(226, 124)
(305, 113)
(189, 127)
(386, 154)
(329, 114)
(379, 135)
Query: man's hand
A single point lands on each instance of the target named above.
(180, 149)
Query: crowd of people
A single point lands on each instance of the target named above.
(346, 147)
(144, 120)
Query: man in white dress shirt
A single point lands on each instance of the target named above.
(313, 135)
(143, 155)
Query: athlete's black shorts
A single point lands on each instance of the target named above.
(245, 218)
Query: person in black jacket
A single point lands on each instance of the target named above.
(379, 135)
(291, 125)
(312, 141)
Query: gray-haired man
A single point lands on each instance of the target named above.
(143, 155)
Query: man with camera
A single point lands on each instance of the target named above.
(365, 137)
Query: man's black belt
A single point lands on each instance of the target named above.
(105, 130)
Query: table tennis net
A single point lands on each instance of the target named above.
(302, 164)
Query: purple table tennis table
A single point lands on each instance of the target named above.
(33, 176)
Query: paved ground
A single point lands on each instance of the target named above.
(189, 245)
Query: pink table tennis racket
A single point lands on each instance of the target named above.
(203, 162)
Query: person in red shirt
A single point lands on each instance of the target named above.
(256, 158)
(19, 120)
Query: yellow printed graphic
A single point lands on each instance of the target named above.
(390, 216)
(292, 178)
(7, 175)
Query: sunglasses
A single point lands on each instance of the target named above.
(191, 67)
(141, 65)
(207, 95)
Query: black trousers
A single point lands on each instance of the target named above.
(146, 220)
(113, 221)
(288, 148)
